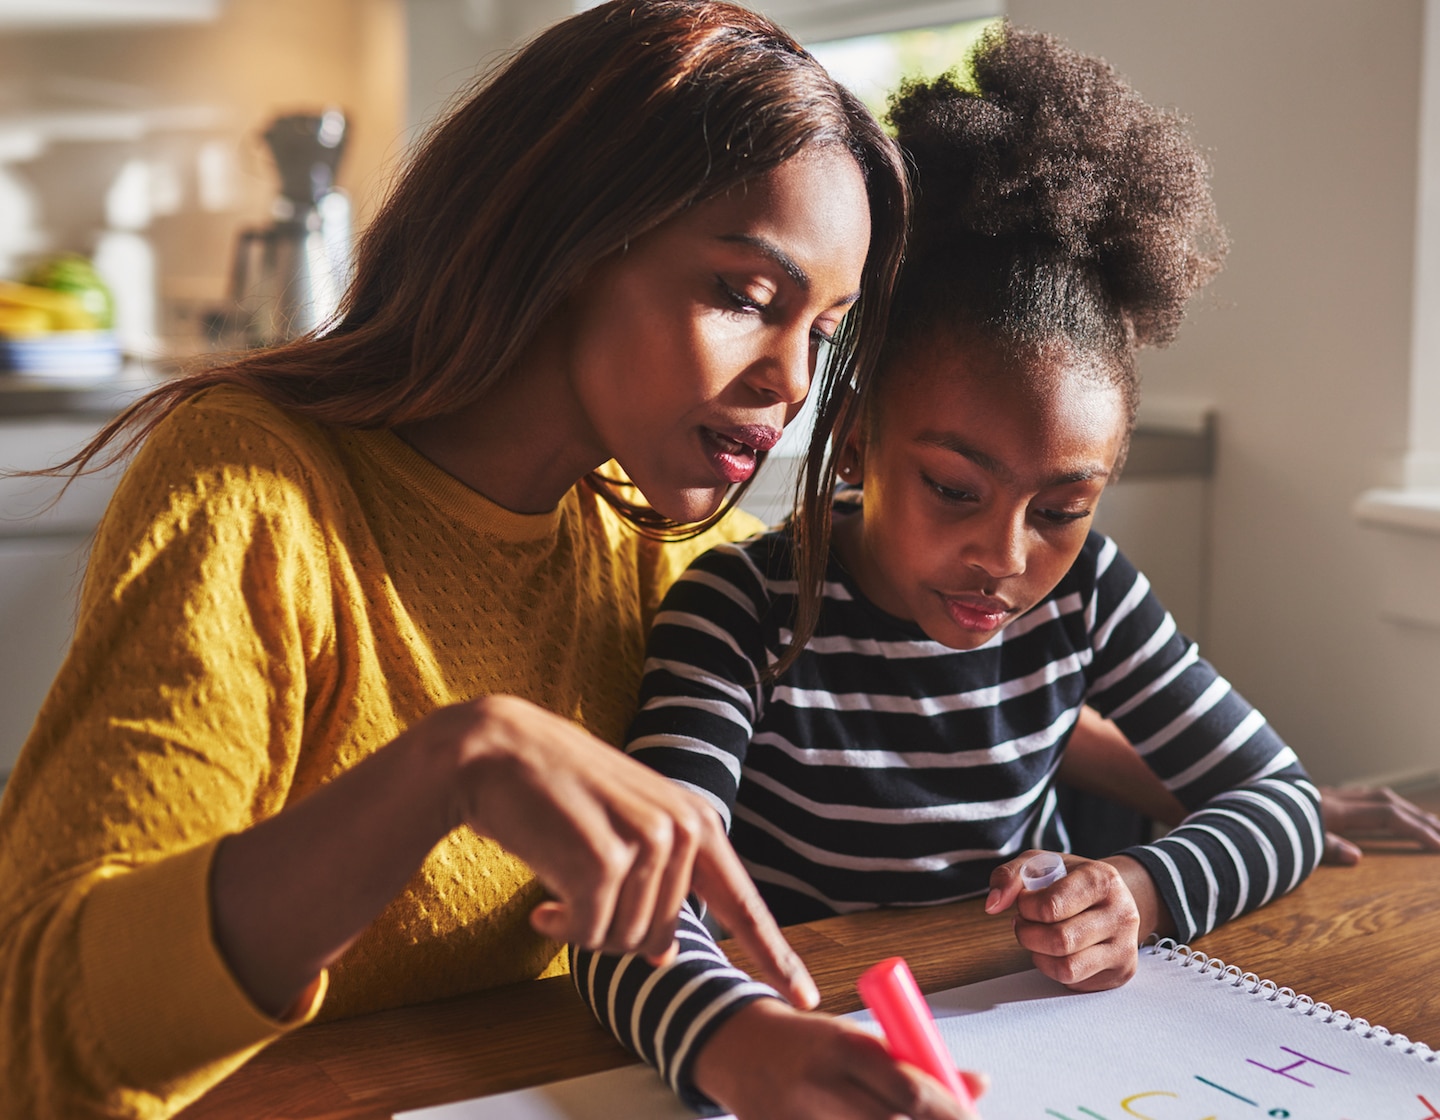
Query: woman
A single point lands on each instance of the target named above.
(364, 589)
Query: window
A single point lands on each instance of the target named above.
(871, 65)
(874, 65)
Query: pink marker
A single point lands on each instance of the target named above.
(890, 992)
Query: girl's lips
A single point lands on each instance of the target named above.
(978, 613)
(733, 452)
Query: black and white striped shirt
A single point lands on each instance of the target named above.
(885, 769)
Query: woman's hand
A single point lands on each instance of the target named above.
(769, 1061)
(1084, 930)
(1100, 760)
(617, 845)
(1380, 813)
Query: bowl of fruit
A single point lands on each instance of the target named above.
(57, 324)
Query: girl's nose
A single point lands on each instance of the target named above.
(998, 548)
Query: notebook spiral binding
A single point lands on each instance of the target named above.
(1272, 992)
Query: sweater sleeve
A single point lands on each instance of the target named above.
(174, 721)
(1253, 831)
(699, 699)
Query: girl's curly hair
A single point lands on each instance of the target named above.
(1053, 204)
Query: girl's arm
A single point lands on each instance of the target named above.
(711, 1031)
(665, 1012)
(1099, 760)
(1253, 826)
(717, 1037)
(698, 703)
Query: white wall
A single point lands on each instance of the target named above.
(1310, 111)
(451, 42)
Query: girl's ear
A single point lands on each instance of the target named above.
(850, 463)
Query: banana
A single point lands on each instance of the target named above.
(63, 311)
(20, 322)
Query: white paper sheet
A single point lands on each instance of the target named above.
(1175, 1043)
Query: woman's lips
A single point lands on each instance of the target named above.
(760, 437)
(733, 451)
(979, 613)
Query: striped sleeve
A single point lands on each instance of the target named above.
(1253, 831)
(664, 1015)
(699, 700)
(701, 694)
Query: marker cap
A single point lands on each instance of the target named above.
(1042, 870)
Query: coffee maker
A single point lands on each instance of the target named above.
(288, 277)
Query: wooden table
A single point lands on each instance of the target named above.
(1366, 939)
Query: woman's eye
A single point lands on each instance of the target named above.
(737, 299)
(820, 339)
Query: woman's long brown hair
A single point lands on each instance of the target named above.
(598, 130)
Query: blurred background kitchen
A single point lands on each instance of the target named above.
(1284, 489)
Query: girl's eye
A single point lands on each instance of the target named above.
(949, 493)
(820, 339)
(1062, 516)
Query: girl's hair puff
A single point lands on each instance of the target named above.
(1053, 205)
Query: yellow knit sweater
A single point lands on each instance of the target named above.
(268, 602)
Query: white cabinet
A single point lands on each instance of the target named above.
(38, 581)
(43, 548)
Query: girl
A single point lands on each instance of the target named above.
(359, 591)
(908, 753)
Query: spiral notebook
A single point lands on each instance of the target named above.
(1189, 1038)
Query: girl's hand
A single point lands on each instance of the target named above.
(617, 845)
(1082, 931)
(769, 1061)
(1380, 813)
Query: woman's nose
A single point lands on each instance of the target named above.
(789, 366)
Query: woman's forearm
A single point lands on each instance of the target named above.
(289, 894)
(1099, 760)
(617, 845)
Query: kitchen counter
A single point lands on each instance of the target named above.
(25, 397)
